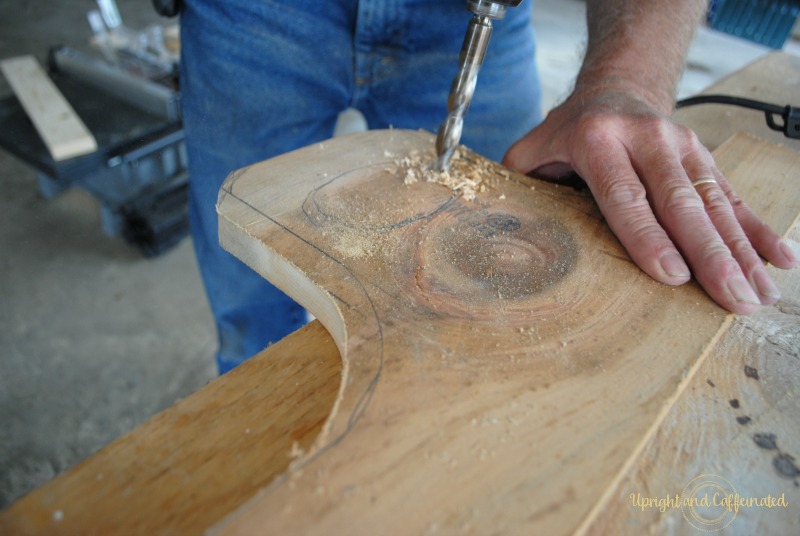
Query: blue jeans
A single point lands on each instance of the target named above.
(263, 77)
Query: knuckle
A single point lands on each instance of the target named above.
(662, 129)
(741, 248)
(714, 252)
(646, 230)
(595, 129)
(690, 139)
(735, 201)
(679, 199)
(622, 194)
(660, 133)
(716, 202)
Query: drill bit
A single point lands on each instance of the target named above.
(469, 63)
(470, 60)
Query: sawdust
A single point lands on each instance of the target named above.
(353, 227)
(353, 244)
(468, 175)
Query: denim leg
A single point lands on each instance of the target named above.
(406, 58)
(263, 77)
(259, 78)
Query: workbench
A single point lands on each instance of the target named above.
(138, 168)
(731, 421)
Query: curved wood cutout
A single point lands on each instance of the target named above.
(503, 358)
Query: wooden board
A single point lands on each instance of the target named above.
(138, 485)
(489, 396)
(195, 462)
(718, 426)
(55, 120)
(190, 465)
(774, 78)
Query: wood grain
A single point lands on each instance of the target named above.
(714, 428)
(183, 471)
(506, 397)
(55, 120)
(197, 461)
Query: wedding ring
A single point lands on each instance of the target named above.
(704, 180)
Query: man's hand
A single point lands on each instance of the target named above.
(640, 166)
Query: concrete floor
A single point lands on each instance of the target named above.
(96, 338)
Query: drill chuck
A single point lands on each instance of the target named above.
(494, 9)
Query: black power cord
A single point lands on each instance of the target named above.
(789, 114)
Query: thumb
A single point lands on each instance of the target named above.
(529, 156)
(521, 156)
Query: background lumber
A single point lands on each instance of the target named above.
(55, 120)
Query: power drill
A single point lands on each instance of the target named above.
(470, 60)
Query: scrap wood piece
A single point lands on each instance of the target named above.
(504, 361)
(62, 131)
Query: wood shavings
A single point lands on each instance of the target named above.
(297, 451)
(468, 174)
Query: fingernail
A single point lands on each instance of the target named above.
(741, 290)
(765, 285)
(787, 252)
(673, 265)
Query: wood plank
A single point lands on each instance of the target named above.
(774, 78)
(207, 439)
(62, 131)
(511, 396)
(186, 468)
(137, 465)
(718, 427)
